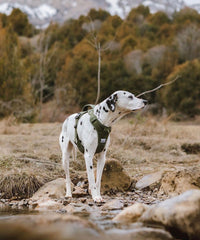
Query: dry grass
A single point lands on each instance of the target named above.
(30, 153)
(20, 185)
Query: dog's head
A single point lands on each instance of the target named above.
(125, 101)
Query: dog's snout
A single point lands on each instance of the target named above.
(145, 102)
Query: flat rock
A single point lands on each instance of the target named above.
(114, 177)
(141, 233)
(149, 180)
(113, 205)
(131, 214)
(51, 226)
(180, 215)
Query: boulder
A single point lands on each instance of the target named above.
(151, 181)
(180, 215)
(114, 177)
(46, 197)
(131, 214)
(177, 182)
(51, 190)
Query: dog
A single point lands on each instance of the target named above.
(107, 113)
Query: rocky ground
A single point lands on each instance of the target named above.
(150, 162)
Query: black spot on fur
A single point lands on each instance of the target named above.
(105, 109)
(86, 150)
(124, 93)
(130, 96)
(62, 138)
(81, 123)
(104, 149)
(100, 108)
(119, 112)
(90, 167)
(111, 102)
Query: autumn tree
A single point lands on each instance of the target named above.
(15, 92)
(183, 95)
(20, 23)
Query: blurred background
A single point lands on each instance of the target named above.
(49, 59)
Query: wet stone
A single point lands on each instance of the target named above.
(79, 192)
(113, 205)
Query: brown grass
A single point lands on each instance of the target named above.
(19, 185)
(30, 153)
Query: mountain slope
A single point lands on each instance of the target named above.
(42, 12)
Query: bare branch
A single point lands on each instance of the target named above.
(160, 86)
(99, 71)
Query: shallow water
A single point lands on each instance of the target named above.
(103, 219)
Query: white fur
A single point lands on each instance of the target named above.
(108, 112)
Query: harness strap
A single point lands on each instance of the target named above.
(102, 130)
(77, 140)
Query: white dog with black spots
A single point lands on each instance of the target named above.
(108, 112)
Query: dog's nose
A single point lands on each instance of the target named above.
(145, 102)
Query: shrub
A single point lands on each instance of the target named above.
(183, 95)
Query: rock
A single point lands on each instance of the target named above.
(180, 215)
(69, 208)
(51, 226)
(131, 214)
(177, 182)
(151, 180)
(114, 178)
(79, 192)
(46, 197)
(140, 233)
(51, 190)
(113, 205)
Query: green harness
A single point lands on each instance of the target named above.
(102, 131)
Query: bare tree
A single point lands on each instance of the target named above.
(39, 80)
(95, 42)
(188, 42)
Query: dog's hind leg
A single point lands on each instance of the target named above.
(66, 147)
(74, 153)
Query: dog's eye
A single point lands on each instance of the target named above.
(131, 97)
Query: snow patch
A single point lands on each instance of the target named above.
(74, 4)
(42, 12)
(115, 8)
(192, 2)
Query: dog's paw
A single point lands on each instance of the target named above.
(68, 196)
(98, 199)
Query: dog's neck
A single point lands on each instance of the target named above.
(106, 116)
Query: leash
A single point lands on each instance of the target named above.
(102, 130)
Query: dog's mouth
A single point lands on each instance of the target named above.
(138, 109)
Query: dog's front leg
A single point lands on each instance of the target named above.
(91, 179)
(100, 165)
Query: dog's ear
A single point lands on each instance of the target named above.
(111, 102)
